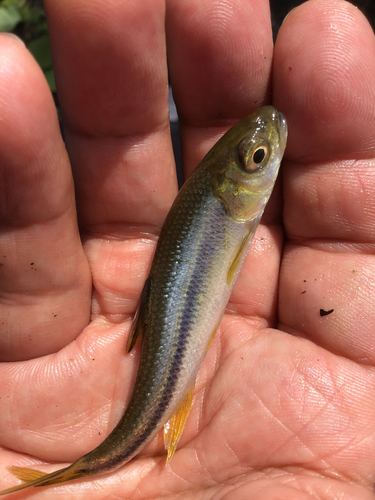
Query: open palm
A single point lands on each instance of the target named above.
(287, 413)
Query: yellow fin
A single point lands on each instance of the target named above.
(176, 424)
(237, 260)
(140, 318)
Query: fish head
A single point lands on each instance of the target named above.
(248, 158)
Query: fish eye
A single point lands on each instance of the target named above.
(252, 156)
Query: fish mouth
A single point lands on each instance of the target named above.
(283, 126)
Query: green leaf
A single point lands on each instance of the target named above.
(9, 18)
(31, 15)
(41, 50)
(11, 3)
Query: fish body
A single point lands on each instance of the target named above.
(200, 251)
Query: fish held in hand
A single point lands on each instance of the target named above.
(199, 254)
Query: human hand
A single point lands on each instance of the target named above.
(277, 413)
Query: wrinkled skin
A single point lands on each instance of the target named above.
(285, 400)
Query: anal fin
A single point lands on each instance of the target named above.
(173, 429)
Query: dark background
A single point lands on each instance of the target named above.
(280, 8)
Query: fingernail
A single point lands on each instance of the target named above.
(12, 35)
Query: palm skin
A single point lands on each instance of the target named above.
(285, 413)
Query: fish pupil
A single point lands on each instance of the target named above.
(259, 155)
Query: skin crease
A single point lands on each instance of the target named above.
(284, 406)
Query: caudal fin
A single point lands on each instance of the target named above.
(32, 477)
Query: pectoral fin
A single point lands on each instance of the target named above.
(140, 318)
(176, 424)
(237, 260)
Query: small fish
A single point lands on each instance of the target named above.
(200, 251)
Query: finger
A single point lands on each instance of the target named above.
(323, 81)
(110, 65)
(220, 56)
(45, 280)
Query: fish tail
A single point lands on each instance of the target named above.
(32, 477)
